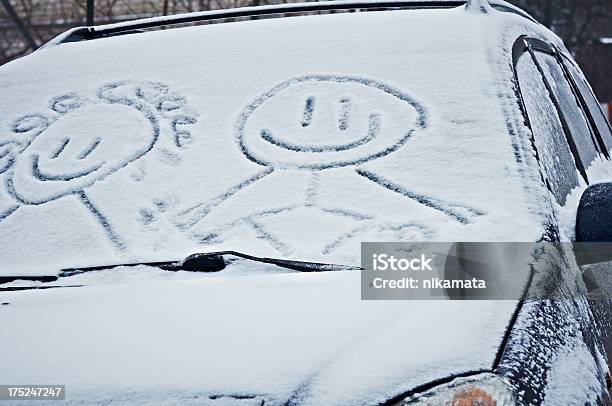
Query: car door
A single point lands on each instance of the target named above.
(597, 277)
(572, 142)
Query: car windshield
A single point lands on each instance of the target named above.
(275, 138)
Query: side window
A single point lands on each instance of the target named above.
(599, 119)
(569, 105)
(548, 135)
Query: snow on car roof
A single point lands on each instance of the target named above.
(294, 138)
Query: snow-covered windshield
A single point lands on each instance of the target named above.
(295, 138)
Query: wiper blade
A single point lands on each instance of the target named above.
(301, 266)
(215, 262)
(200, 262)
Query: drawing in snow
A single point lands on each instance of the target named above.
(318, 126)
(84, 140)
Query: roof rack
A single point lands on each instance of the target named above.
(108, 30)
(94, 32)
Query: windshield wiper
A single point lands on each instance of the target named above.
(200, 262)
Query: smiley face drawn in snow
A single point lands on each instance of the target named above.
(317, 126)
(81, 148)
(85, 140)
(324, 121)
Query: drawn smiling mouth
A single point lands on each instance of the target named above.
(41, 175)
(373, 131)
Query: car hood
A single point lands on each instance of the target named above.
(243, 336)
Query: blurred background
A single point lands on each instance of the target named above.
(584, 25)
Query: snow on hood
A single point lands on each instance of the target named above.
(248, 334)
(294, 138)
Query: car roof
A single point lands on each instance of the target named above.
(267, 11)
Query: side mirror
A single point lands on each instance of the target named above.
(594, 225)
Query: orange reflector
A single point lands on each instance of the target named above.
(473, 397)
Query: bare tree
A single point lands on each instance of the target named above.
(581, 24)
(577, 22)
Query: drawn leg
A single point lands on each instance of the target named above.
(458, 212)
(344, 238)
(193, 215)
(273, 240)
(111, 234)
(214, 236)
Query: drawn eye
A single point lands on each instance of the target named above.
(90, 149)
(87, 151)
(308, 111)
(62, 145)
(344, 117)
(345, 113)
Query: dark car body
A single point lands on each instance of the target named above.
(504, 137)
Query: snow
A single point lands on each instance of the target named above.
(236, 136)
(573, 378)
(263, 332)
(215, 155)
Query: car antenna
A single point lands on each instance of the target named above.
(478, 6)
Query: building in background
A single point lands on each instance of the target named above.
(584, 25)
(581, 24)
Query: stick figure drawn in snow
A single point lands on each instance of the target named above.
(341, 123)
(84, 141)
